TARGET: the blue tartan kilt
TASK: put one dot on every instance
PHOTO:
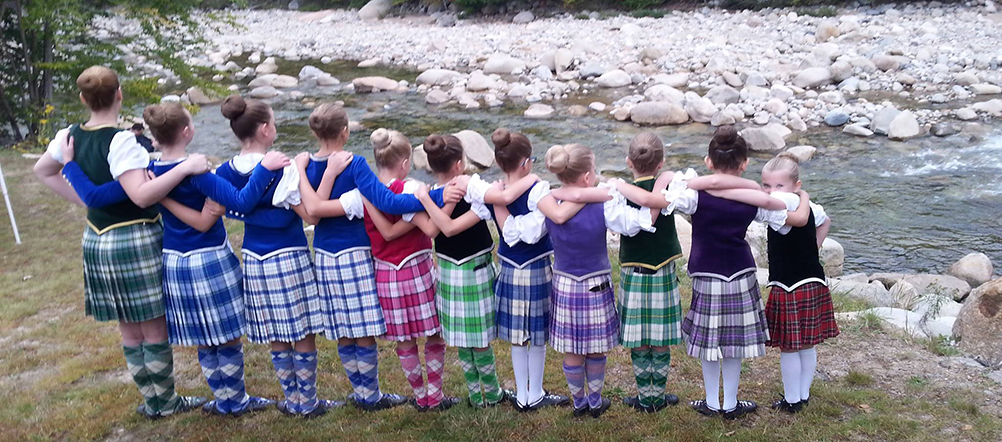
(205, 297)
(523, 302)
(283, 303)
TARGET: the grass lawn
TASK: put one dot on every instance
(62, 375)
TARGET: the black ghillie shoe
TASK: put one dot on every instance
(580, 412)
(285, 407)
(145, 411)
(634, 402)
(254, 405)
(210, 408)
(700, 406)
(447, 403)
(323, 406)
(548, 400)
(783, 405)
(743, 408)
(388, 400)
(602, 408)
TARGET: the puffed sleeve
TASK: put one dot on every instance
(410, 186)
(125, 154)
(820, 216)
(531, 227)
(352, 203)
(55, 148)
(477, 189)
(477, 204)
(776, 219)
(621, 218)
(679, 196)
(287, 188)
(792, 202)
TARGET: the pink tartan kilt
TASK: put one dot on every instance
(802, 318)
(407, 296)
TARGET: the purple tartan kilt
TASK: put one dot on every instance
(726, 319)
(583, 321)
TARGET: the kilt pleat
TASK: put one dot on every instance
(650, 310)
(466, 302)
(802, 318)
(523, 302)
(205, 299)
(123, 273)
(726, 319)
(407, 297)
(348, 299)
(583, 321)
(282, 298)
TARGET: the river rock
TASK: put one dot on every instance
(723, 95)
(764, 139)
(374, 84)
(479, 82)
(812, 77)
(264, 92)
(419, 159)
(523, 17)
(966, 78)
(985, 89)
(939, 284)
(196, 96)
(781, 92)
(840, 71)
(268, 67)
(826, 30)
(284, 82)
(592, 69)
(873, 293)
(658, 113)
(992, 107)
(663, 92)
(262, 80)
(375, 9)
(935, 306)
(562, 60)
(539, 110)
(803, 154)
(965, 114)
(308, 72)
(721, 119)
(975, 268)
(881, 122)
(905, 79)
(885, 62)
(437, 77)
(699, 109)
(904, 295)
(902, 319)
(327, 80)
(832, 256)
(476, 148)
(436, 97)
(597, 106)
(944, 129)
(858, 130)
(503, 64)
(577, 110)
(836, 117)
(446, 20)
(614, 78)
(979, 325)
(674, 80)
(732, 79)
(368, 63)
(542, 72)
(903, 126)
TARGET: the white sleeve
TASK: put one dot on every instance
(55, 148)
(352, 203)
(287, 189)
(772, 218)
(126, 154)
(531, 227)
(621, 218)
(410, 186)
(820, 216)
(792, 202)
(476, 197)
(679, 196)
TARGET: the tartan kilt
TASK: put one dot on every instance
(283, 302)
(726, 319)
(650, 309)
(802, 318)
(348, 300)
(205, 297)
(523, 302)
(582, 321)
(466, 302)
(123, 273)
(407, 296)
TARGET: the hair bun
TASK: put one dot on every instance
(726, 135)
(557, 158)
(380, 138)
(233, 107)
(790, 156)
(501, 137)
(434, 143)
(155, 115)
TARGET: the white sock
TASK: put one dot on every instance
(789, 366)
(808, 363)
(520, 365)
(731, 368)
(711, 380)
(537, 362)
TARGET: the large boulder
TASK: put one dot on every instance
(476, 148)
(974, 268)
(832, 256)
(881, 122)
(479, 82)
(614, 78)
(940, 285)
(420, 159)
(663, 92)
(503, 64)
(803, 154)
(197, 96)
(873, 293)
(905, 295)
(699, 109)
(903, 126)
(284, 81)
(723, 94)
(765, 139)
(437, 77)
(374, 84)
(375, 9)
(262, 80)
(813, 77)
(308, 72)
(979, 325)
(658, 113)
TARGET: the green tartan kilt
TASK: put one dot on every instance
(650, 310)
(466, 305)
(123, 273)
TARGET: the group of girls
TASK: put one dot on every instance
(171, 278)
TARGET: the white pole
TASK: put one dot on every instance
(10, 210)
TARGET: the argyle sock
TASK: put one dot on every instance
(642, 361)
(231, 375)
(808, 364)
(575, 384)
(349, 360)
(137, 368)
(471, 375)
(488, 375)
(367, 361)
(520, 366)
(159, 361)
(434, 359)
(286, 373)
(306, 380)
(660, 364)
(208, 359)
(411, 365)
(595, 372)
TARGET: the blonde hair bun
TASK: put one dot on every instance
(557, 158)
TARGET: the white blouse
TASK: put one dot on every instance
(792, 201)
(124, 154)
(623, 219)
(685, 200)
(287, 189)
(354, 206)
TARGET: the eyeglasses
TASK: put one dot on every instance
(533, 159)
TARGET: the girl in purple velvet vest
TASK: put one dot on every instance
(583, 321)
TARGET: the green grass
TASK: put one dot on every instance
(62, 377)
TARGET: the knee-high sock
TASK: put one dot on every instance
(537, 363)
(711, 382)
(808, 364)
(349, 361)
(520, 365)
(367, 361)
(731, 369)
(306, 380)
(159, 360)
(231, 376)
(285, 371)
(488, 375)
(208, 359)
(471, 375)
(642, 361)
(135, 362)
(434, 360)
(411, 365)
(789, 367)
(576, 384)
(660, 364)
(595, 372)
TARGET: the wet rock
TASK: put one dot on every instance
(621, 114)
(375, 9)
(539, 110)
(437, 77)
(658, 113)
(721, 119)
(979, 324)
(944, 129)
(765, 139)
(479, 82)
(597, 106)
(803, 154)
(812, 77)
(965, 114)
(975, 268)
(614, 78)
(858, 130)
(699, 109)
(374, 84)
(577, 110)
(836, 118)
(327, 80)
(882, 120)
(309, 72)
(284, 81)
(663, 92)
(903, 126)
(436, 97)
(264, 92)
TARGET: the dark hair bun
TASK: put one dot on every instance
(434, 144)
(726, 135)
(233, 107)
(501, 137)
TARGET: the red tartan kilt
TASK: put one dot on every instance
(802, 318)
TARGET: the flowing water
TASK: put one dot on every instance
(915, 206)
